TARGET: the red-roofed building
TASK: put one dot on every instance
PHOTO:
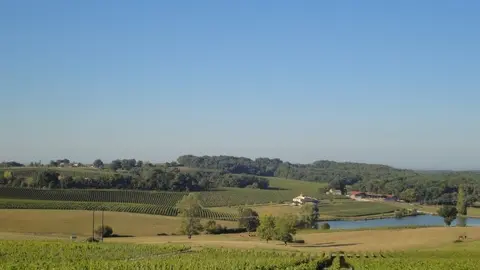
(357, 195)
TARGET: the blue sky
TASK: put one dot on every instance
(392, 82)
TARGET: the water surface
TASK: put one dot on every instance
(420, 220)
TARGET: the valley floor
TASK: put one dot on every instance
(60, 224)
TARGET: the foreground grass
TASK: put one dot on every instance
(66, 255)
(61, 255)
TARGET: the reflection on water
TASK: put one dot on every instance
(421, 220)
(461, 221)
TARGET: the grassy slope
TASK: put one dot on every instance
(339, 209)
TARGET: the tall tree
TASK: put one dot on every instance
(449, 213)
(190, 210)
(461, 201)
(285, 228)
(266, 230)
(98, 163)
(248, 219)
(116, 164)
(309, 215)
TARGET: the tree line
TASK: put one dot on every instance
(144, 178)
(408, 185)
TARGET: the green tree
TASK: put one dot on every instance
(409, 195)
(248, 219)
(309, 215)
(107, 231)
(461, 202)
(210, 226)
(8, 175)
(266, 230)
(449, 213)
(285, 228)
(190, 210)
(98, 163)
(47, 179)
(116, 164)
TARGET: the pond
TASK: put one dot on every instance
(420, 220)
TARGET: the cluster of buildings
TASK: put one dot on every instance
(354, 195)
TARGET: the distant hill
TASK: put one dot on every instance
(319, 171)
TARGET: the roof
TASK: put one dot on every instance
(356, 192)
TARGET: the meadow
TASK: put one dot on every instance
(337, 209)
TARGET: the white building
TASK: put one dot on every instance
(303, 199)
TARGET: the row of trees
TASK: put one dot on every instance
(145, 178)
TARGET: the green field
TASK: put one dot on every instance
(349, 208)
(220, 204)
(61, 255)
(281, 190)
(68, 171)
(30, 254)
(223, 202)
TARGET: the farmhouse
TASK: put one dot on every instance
(303, 199)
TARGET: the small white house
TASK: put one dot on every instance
(303, 199)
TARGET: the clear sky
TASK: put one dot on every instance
(392, 82)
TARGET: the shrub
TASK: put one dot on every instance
(91, 240)
(107, 231)
(219, 229)
(400, 213)
(325, 226)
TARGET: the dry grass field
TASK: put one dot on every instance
(59, 224)
(66, 222)
(368, 240)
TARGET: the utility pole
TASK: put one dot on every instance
(103, 228)
(93, 225)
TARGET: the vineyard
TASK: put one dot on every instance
(114, 207)
(421, 260)
(84, 195)
(223, 197)
(82, 172)
(65, 255)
